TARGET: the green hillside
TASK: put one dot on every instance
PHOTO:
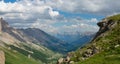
(105, 48)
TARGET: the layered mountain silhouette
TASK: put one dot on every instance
(41, 37)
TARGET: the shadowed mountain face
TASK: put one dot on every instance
(40, 37)
(83, 40)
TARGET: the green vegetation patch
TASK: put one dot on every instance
(115, 17)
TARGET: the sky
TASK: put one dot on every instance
(58, 16)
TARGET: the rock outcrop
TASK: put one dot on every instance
(2, 57)
(104, 25)
(4, 25)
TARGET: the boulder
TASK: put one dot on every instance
(117, 46)
(71, 62)
(60, 61)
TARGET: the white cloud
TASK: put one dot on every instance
(103, 7)
(43, 14)
(94, 20)
(44, 26)
(79, 6)
(53, 13)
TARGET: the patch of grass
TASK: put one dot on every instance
(115, 17)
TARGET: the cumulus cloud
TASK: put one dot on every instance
(45, 27)
(103, 7)
(44, 14)
(28, 8)
(26, 11)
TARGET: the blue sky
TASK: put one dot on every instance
(82, 15)
(57, 16)
(10, 1)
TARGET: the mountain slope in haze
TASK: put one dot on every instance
(103, 49)
(68, 37)
(72, 37)
(82, 41)
(40, 37)
(20, 49)
(76, 40)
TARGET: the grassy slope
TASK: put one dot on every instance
(16, 55)
(17, 58)
(110, 53)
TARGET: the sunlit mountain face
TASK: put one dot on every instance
(50, 26)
